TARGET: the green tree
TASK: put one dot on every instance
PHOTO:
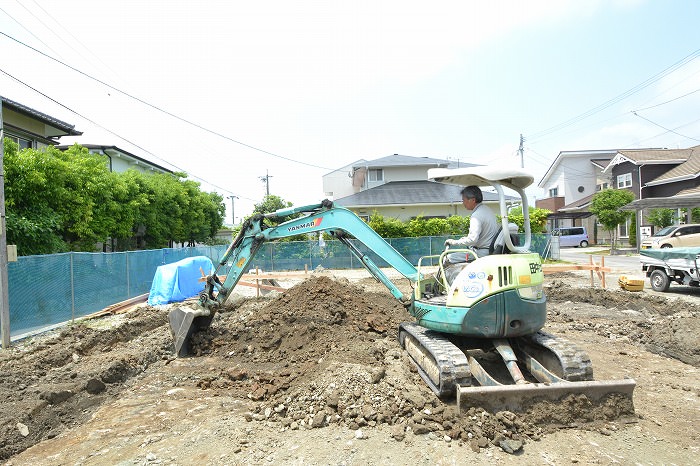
(606, 206)
(388, 227)
(632, 239)
(661, 217)
(69, 200)
(538, 219)
(272, 203)
(65, 192)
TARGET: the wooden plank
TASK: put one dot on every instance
(263, 276)
(262, 286)
(553, 268)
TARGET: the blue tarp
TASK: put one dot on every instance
(179, 280)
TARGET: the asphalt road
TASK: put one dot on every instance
(621, 263)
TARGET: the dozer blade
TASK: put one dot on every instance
(183, 323)
(517, 397)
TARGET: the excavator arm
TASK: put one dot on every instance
(337, 221)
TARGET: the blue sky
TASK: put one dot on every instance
(326, 83)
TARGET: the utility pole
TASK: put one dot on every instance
(233, 215)
(520, 151)
(266, 179)
(4, 298)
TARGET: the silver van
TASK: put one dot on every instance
(571, 236)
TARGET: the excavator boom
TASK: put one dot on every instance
(477, 335)
(338, 221)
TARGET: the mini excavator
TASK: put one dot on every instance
(477, 338)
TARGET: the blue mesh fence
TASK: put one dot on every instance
(51, 289)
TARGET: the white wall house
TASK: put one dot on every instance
(120, 160)
(575, 175)
(397, 186)
(32, 129)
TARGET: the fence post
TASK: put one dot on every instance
(72, 289)
(128, 283)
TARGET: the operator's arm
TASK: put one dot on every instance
(472, 237)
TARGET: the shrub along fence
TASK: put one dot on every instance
(47, 290)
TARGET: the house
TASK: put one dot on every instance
(120, 160)
(654, 176)
(658, 178)
(397, 186)
(569, 185)
(32, 129)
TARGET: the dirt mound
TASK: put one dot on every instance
(558, 291)
(669, 327)
(323, 353)
(58, 383)
(326, 352)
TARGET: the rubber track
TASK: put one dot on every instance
(575, 362)
(452, 362)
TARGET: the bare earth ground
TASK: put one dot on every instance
(316, 376)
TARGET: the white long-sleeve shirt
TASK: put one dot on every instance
(483, 228)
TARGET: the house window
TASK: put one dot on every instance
(624, 229)
(22, 143)
(554, 192)
(376, 174)
(624, 181)
(601, 186)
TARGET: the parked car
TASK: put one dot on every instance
(675, 236)
(571, 236)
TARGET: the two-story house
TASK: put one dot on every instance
(119, 160)
(569, 185)
(656, 177)
(32, 129)
(397, 186)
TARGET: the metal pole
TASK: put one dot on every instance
(128, 284)
(233, 215)
(4, 297)
(72, 288)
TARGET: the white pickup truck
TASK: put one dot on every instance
(662, 266)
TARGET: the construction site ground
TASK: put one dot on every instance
(315, 375)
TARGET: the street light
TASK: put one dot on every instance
(233, 217)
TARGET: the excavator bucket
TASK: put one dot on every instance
(183, 323)
(517, 397)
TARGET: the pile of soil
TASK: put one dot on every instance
(322, 356)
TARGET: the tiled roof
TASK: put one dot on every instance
(602, 162)
(117, 149)
(657, 155)
(62, 125)
(397, 160)
(580, 204)
(686, 170)
(408, 193)
(694, 192)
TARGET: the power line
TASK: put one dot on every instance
(162, 110)
(115, 134)
(663, 127)
(30, 32)
(667, 102)
(619, 98)
(60, 25)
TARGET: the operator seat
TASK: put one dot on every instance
(498, 245)
(453, 265)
